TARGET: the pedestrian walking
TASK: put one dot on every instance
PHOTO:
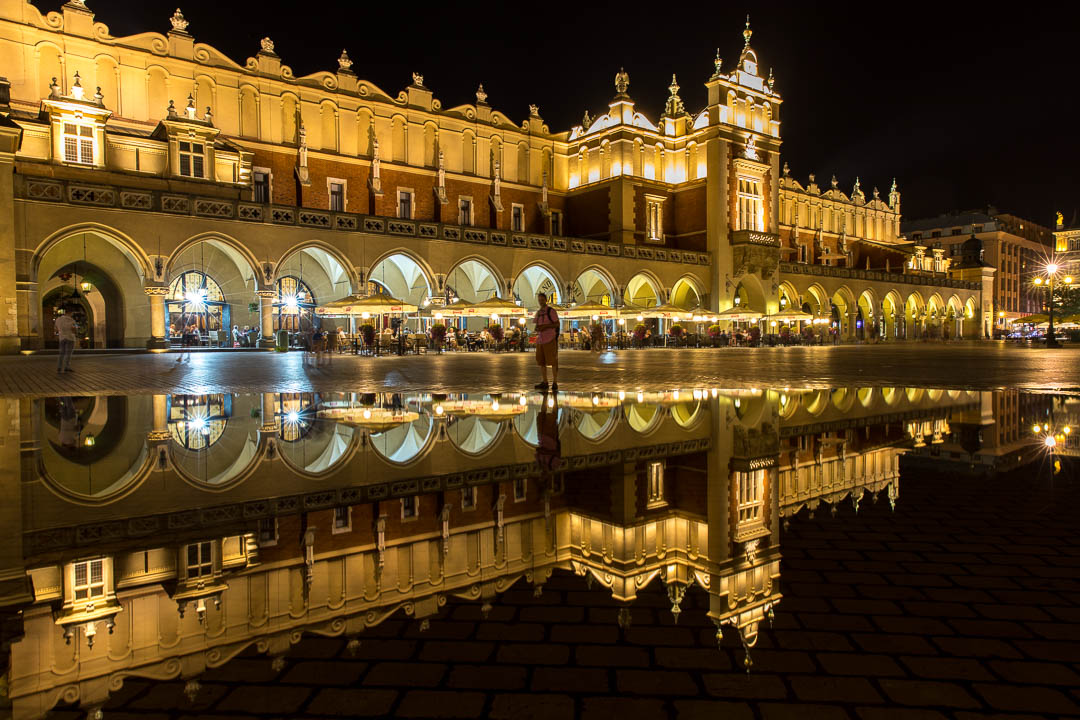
(65, 331)
(186, 341)
(547, 343)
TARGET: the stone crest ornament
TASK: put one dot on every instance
(674, 106)
(481, 96)
(344, 63)
(302, 172)
(718, 64)
(786, 170)
(179, 23)
(534, 111)
(622, 81)
(376, 180)
(496, 187)
(418, 79)
(750, 152)
(834, 181)
(267, 45)
(586, 121)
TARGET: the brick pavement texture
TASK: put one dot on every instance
(1006, 648)
(963, 366)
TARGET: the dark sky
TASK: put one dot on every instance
(965, 106)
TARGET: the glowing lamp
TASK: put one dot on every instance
(521, 321)
(595, 399)
(640, 318)
(551, 401)
(622, 321)
(86, 286)
(367, 414)
(641, 397)
(622, 395)
(89, 440)
(365, 316)
(495, 317)
(439, 410)
(291, 302)
(522, 401)
(495, 405)
(1052, 268)
(1050, 441)
(1038, 281)
(292, 417)
(1068, 280)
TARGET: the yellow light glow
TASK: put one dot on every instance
(1066, 429)
(641, 397)
(522, 401)
(365, 316)
(1052, 268)
(1050, 441)
(1068, 280)
(1038, 281)
(622, 395)
(439, 410)
(495, 405)
(367, 414)
(1036, 428)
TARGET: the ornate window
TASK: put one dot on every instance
(89, 580)
(405, 204)
(654, 477)
(294, 302)
(200, 560)
(195, 299)
(654, 219)
(336, 192)
(751, 500)
(517, 218)
(79, 143)
(197, 421)
(465, 214)
(751, 211)
(192, 159)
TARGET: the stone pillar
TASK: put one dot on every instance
(29, 310)
(266, 315)
(10, 140)
(159, 334)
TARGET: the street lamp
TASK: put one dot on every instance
(1048, 279)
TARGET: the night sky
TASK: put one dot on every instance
(963, 105)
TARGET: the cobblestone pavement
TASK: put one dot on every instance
(963, 604)
(934, 365)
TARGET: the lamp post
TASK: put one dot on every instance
(1050, 277)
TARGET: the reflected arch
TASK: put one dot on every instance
(643, 417)
(474, 435)
(407, 442)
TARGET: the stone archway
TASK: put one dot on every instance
(686, 294)
(844, 313)
(914, 316)
(473, 280)
(595, 285)
(867, 322)
(534, 279)
(892, 316)
(643, 291)
(401, 275)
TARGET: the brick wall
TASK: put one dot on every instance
(588, 213)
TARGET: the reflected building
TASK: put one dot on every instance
(160, 536)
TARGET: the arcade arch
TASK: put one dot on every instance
(473, 280)
(212, 281)
(402, 276)
(686, 294)
(594, 285)
(535, 279)
(642, 291)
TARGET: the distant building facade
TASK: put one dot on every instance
(151, 181)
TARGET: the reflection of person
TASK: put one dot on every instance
(547, 343)
(65, 331)
(69, 422)
(548, 447)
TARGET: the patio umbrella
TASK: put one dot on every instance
(739, 314)
(588, 310)
(373, 419)
(364, 304)
(665, 311)
(458, 308)
(498, 306)
(791, 316)
(1032, 319)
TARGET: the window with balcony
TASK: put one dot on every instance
(260, 186)
(556, 222)
(89, 580)
(200, 560)
(465, 214)
(79, 143)
(342, 520)
(405, 204)
(336, 191)
(654, 219)
(751, 215)
(192, 159)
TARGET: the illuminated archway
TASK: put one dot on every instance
(892, 315)
(406, 442)
(473, 280)
(642, 291)
(594, 285)
(195, 298)
(474, 435)
(914, 316)
(535, 279)
(867, 323)
(686, 294)
(403, 277)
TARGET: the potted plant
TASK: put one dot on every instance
(639, 334)
(755, 336)
(438, 335)
(676, 331)
(785, 334)
(496, 332)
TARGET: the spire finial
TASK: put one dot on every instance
(481, 96)
(622, 81)
(178, 21)
(717, 63)
(747, 32)
(345, 62)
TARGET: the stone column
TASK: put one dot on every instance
(29, 315)
(159, 338)
(266, 315)
(10, 140)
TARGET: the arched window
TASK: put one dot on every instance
(293, 305)
(195, 299)
(197, 421)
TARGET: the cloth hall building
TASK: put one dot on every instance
(150, 177)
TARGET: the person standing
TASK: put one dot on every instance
(65, 331)
(547, 343)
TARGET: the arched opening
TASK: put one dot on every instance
(815, 301)
(685, 295)
(935, 318)
(642, 291)
(844, 316)
(914, 315)
(215, 437)
(533, 280)
(891, 317)
(106, 294)
(867, 324)
(212, 286)
(472, 281)
(294, 304)
(402, 277)
(406, 442)
(594, 286)
(789, 299)
(472, 434)
(970, 323)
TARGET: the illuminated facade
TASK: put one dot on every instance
(135, 160)
(183, 556)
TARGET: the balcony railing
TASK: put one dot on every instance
(755, 237)
(163, 201)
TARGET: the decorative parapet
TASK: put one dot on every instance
(755, 237)
(78, 193)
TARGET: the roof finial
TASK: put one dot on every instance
(746, 33)
(481, 96)
(771, 81)
(345, 62)
(717, 63)
(622, 81)
(674, 106)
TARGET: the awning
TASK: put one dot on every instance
(364, 305)
(588, 310)
(739, 314)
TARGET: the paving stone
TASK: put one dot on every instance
(655, 682)
(834, 689)
(1026, 698)
(485, 677)
(712, 710)
(566, 679)
(511, 632)
(352, 702)
(1037, 673)
(383, 649)
(709, 658)
(534, 654)
(859, 664)
(606, 708)
(597, 634)
(801, 711)
(398, 674)
(927, 693)
(552, 614)
(441, 704)
(464, 651)
(893, 713)
(883, 643)
(976, 647)
(264, 699)
(615, 656)
(533, 706)
(166, 696)
(947, 668)
(324, 673)
(743, 685)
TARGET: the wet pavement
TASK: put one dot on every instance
(851, 552)
(975, 366)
